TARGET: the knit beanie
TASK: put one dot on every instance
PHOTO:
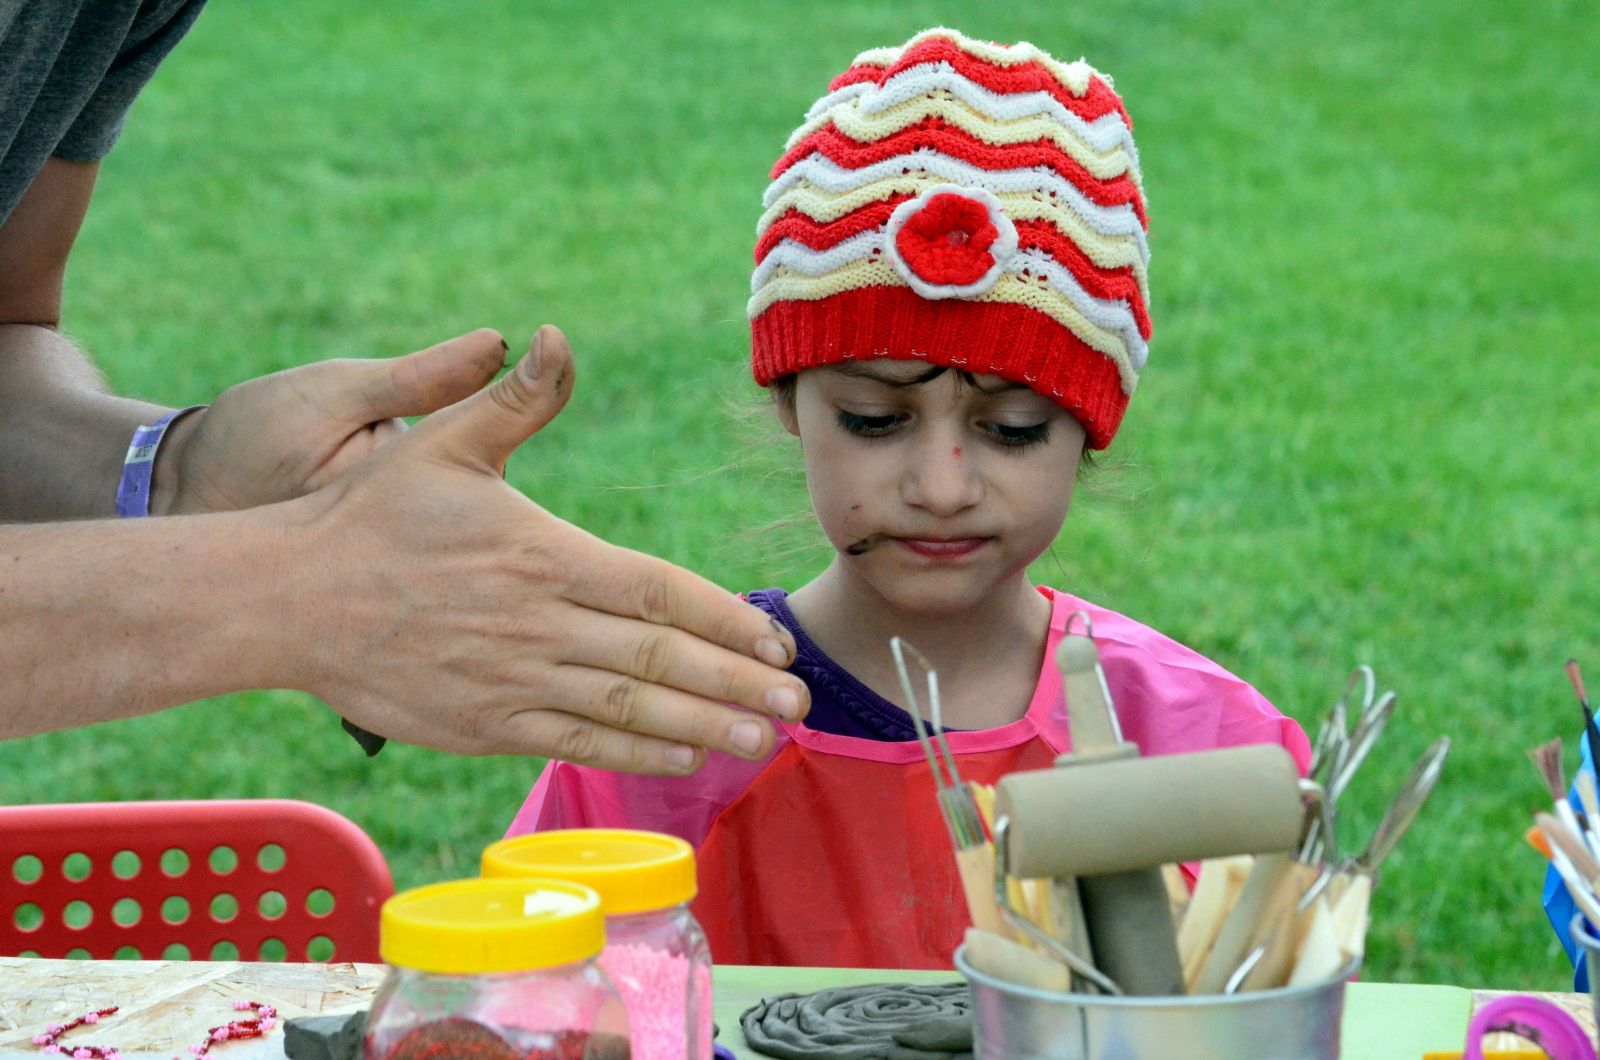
(974, 205)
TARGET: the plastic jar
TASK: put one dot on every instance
(502, 969)
(656, 953)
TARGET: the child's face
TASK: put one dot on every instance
(933, 490)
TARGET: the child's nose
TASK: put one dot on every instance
(942, 479)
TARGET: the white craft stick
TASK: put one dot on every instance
(1579, 888)
(1569, 821)
(1350, 910)
(1591, 810)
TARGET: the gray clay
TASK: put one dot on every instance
(325, 1037)
(864, 1023)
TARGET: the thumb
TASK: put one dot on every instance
(487, 427)
(418, 383)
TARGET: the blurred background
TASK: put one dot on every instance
(1367, 432)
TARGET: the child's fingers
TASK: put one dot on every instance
(621, 702)
(666, 656)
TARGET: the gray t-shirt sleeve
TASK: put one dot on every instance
(153, 34)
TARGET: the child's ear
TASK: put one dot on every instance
(783, 404)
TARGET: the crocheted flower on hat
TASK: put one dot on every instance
(950, 241)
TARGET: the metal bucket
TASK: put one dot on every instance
(1589, 946)
(1015, 1022)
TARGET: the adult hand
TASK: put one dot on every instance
(286, 434)
(454, 612)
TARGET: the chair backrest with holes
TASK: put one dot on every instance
(253, 879)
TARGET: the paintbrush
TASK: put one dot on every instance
(1577, 870)
(1547, 757)
(1547, 760)
(1589, 799)
(1560, 836)
(1590, 729)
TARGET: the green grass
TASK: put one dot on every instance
(1367, 432)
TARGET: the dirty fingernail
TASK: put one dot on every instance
(784, 703)
(772, 652)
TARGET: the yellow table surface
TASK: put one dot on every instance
(165, 1006)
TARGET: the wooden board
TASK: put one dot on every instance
(167, 1006)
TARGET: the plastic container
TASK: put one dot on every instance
(656, 953)
(1020, 1023)
(501, 969)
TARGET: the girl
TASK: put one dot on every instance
(949, 304)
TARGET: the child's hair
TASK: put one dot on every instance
(974, 205)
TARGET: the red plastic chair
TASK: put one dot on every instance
(254, 879)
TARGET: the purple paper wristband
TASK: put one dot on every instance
(133, 492)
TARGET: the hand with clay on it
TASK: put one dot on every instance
(286, 434)
(457, 613)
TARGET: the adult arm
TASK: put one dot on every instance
(64, 435)
(532, 637)
(418, 594)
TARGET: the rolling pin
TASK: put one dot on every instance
(1129, 816)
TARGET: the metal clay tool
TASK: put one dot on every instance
(1408, 802)
(1126, 816)
(1073, 956)
(974, 855)
(1338, 753)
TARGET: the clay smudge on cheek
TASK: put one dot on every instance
(866, 544)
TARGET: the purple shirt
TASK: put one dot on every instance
(840, 704)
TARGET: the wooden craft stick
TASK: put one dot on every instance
(1066, 918)
(976, 866)
(1350, 911)
(1322, 952)
(983, 796)
(1221, 880)
(1233, 939)
(1178, 894)
(1284, 923)
(1002, 958)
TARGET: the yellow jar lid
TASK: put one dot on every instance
(475, 927)
(634, 872)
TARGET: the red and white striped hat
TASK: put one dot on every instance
(975, 205)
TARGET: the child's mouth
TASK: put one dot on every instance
(941, 549)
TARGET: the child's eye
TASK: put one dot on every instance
(1017, 437)
(868, 426)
